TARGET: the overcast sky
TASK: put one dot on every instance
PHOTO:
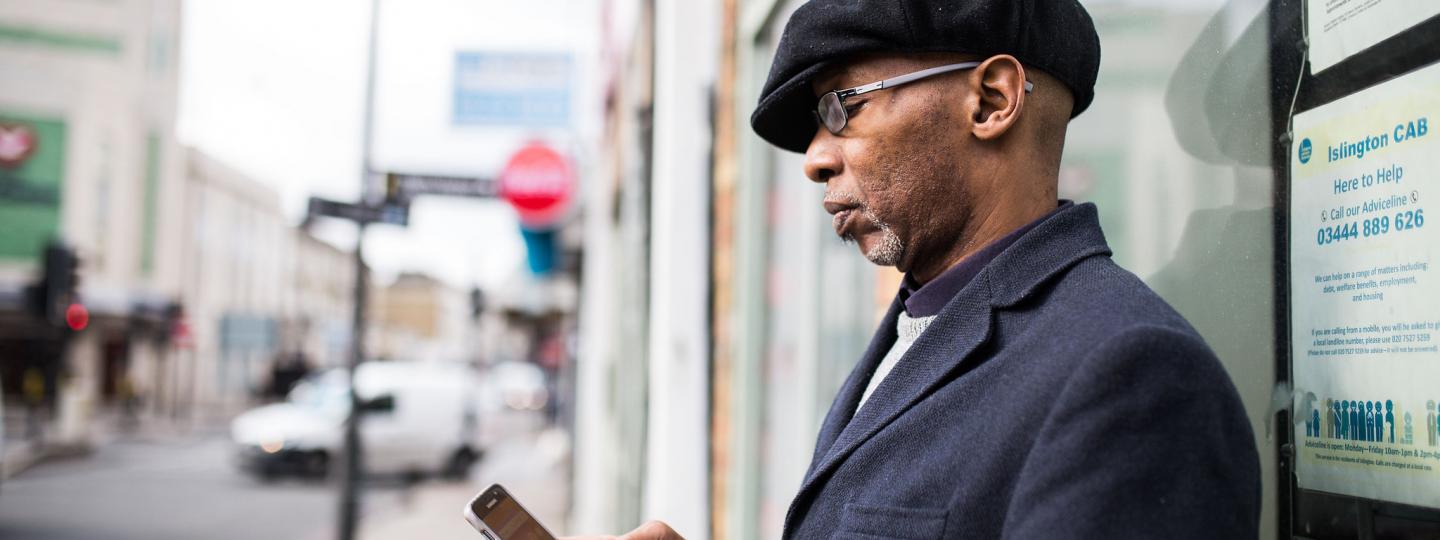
(275, 88)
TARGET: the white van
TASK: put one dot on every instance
(429, 426)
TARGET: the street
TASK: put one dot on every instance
(184, 487)
(168, 489)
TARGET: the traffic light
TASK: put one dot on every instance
(61, 280)
(52, 297)
(477, 302)
(35, 300)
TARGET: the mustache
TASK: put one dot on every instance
(843, 197)
(846, 198)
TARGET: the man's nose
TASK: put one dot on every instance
(823, 160)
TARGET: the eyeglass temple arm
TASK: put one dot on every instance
(908, 77)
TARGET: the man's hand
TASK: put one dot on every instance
(654, 530)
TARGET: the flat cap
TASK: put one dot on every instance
(1055, 36)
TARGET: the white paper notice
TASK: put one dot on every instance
(1365, 294)
(1341, 28)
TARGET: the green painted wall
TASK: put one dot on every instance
(30, 192)
(151, 204)
(86, 43)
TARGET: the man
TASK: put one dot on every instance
(1021, 385)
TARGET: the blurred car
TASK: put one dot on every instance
(420, 418)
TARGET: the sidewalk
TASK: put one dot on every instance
(534, 467)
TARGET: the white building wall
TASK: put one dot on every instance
(238, 264)
(687, 52)
(593, 479)
(599, 446)
(323, 288)
(111, 102)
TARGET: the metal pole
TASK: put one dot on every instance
(351, 474)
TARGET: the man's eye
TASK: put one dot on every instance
(851, 108)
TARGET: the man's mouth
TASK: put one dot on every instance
(841, 221)
(844, 209)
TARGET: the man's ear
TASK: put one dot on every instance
(1001, 84)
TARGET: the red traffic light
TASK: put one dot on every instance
(77, 317)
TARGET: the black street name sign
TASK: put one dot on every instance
(404, 187)
(392, 214)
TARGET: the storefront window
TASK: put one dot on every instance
(1187, 151)
(1175, 152)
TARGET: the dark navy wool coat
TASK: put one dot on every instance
(1056, 396)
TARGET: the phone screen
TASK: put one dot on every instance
(502, 514)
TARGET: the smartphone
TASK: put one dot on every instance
(498, 516)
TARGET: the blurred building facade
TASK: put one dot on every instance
(240, 261)
(612, 365)
(324, 300)
(188, 268)
(715, 293)
(87, 109)
(418, 317)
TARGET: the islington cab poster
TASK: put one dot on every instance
(1365, 292)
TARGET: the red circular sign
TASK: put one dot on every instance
(538, 182)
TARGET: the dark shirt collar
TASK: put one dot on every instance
(928, 299)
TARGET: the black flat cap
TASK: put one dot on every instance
(1055, 36)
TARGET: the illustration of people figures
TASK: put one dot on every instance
(1409, 430)
(1345, 420)
(1342, 425)
(1329, 418)
(1357, 424)
(1379, 423)
(1312, 419)
(1369, 420)
(1390, 418)
(1367, 423)
(1430, 421)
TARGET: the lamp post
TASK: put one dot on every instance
(350, 476)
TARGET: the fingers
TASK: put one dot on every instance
(653, 530)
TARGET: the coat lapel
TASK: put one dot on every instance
(965, 324)
(849, 396)
(1047, 250)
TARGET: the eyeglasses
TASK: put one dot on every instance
(830, 111)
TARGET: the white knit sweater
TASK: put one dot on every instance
(907, 330)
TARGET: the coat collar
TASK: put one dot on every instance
(849, 396)
(1052, 247)
(928, 299)
(1071, 235)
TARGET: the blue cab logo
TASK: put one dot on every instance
(1305, 150)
